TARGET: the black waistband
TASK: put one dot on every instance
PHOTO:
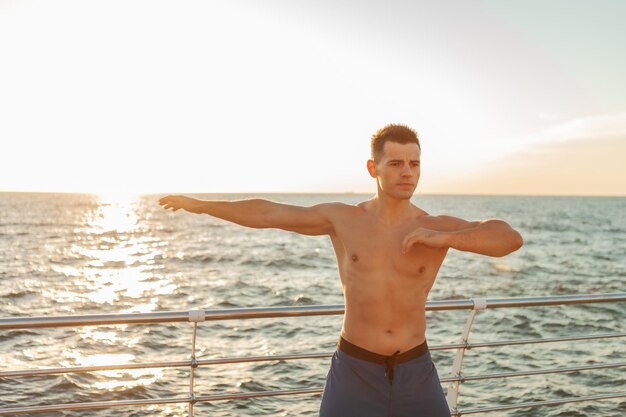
(388, 360)
(358, 352)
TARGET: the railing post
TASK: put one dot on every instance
(194, 316)
(457, 366)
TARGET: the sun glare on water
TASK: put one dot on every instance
(118, 254)
(116, 213)
(115, 379)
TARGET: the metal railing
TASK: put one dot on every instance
(196, 316)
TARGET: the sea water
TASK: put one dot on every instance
(72, 254)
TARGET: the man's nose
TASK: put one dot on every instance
(406, 171)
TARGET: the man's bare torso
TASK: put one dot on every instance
(385, 290)
(388, 250)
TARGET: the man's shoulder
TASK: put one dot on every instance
(338, 207)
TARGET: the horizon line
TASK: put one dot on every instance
(417, 194)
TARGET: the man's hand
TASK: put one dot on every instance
(431, 238)
(177, 202)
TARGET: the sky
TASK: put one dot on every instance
(508, 97)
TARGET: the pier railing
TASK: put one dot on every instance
(456, 379)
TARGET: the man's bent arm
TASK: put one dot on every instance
(258, 213)
(489, 237)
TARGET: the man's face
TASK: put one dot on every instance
(398, 169)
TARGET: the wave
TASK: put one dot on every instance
(302, 300)
(18, 294)
(252, 385)
(280, 263)
(8, 335)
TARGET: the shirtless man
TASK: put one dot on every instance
(388, 254)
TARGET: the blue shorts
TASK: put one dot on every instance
(363, 384)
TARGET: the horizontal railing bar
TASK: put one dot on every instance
(236, 396)
(287, 311)
(528, 301)
(597, 397)
(534, 372)
(94, 368)
(258, 394)
(218, 361)
(93, 320)
(168, 317)
(90, 405)
(125, 403)
(544, 340)
(179, 364)
(526, 341)
(555, 300)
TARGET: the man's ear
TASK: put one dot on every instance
(371, 168)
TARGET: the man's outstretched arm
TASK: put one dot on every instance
(258, 213)
(491, 237)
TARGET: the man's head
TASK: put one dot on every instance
(395, 161)
(392, 133)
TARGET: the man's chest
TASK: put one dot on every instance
(368, 248)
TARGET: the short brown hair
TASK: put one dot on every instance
(392, 133)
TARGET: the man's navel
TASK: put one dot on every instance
(355, 257)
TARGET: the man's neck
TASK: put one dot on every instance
(391, 210)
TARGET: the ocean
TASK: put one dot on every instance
(73, 254)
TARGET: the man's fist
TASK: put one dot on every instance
(432, 238)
